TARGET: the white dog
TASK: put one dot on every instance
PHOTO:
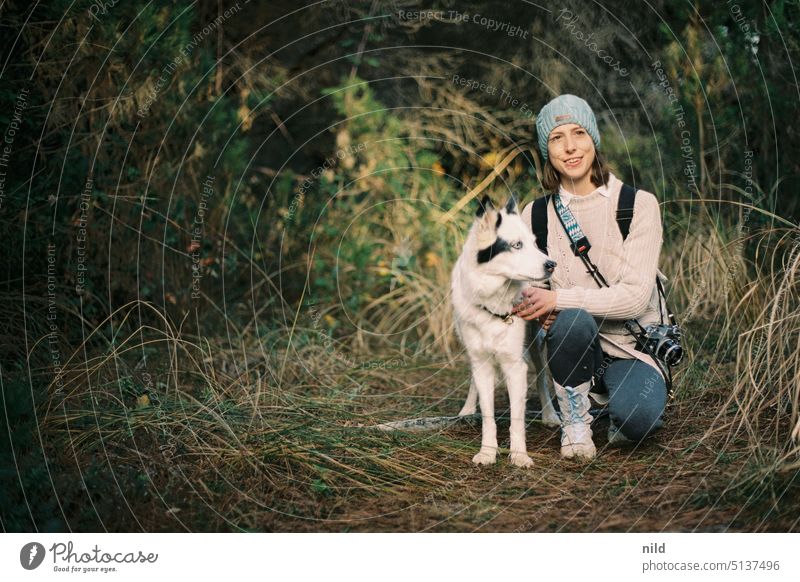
(499, 259)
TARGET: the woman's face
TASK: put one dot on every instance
(571, 151)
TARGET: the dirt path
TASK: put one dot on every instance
(668, 483)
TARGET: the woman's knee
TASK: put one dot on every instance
(636, 425)
(637, 397)
(576, 324)
(572, 348)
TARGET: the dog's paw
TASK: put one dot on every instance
(485, 457)
(520, 459)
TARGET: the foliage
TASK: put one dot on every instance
(194, 205)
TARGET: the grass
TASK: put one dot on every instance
(222, 457)
(157, 429)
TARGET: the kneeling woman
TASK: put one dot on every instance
(586, 336)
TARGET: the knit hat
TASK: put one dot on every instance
(562, 110)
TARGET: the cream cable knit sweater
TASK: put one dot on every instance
(629, 268)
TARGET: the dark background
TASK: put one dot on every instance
(335, 138)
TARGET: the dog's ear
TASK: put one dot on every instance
(488, 220)
(484, 206)
(511, 205)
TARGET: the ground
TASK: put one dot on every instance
(233, 456)
(666, 483)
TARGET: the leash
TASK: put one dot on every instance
(443, 422)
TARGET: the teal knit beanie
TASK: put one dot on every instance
(562, 110)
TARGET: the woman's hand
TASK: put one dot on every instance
(536, 304)
(547, 320)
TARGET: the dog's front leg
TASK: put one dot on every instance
(516, 374)
(483, 377)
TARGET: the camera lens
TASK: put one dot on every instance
(671, 352)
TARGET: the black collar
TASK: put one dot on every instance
(506, 317)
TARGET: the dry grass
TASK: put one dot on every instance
(268, 430)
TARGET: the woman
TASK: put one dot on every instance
(586, 337)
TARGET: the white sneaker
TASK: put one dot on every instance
(576, 442)
(576, 432)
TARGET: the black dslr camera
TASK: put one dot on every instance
(660, 340)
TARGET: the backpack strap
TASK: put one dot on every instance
(627, 197)
(539, 221)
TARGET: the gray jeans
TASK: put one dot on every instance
(637, 392)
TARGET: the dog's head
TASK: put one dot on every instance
(506, 246)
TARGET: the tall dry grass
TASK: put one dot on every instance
(767, 388)
(736, 284)
(272, 413)
(244, 424)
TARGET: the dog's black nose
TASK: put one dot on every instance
(549, 266)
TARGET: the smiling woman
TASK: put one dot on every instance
(577, 165)
(588, 345)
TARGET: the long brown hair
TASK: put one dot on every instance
(551, 178)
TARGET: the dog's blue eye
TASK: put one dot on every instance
(516, 244)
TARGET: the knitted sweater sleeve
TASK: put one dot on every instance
(630, 295)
